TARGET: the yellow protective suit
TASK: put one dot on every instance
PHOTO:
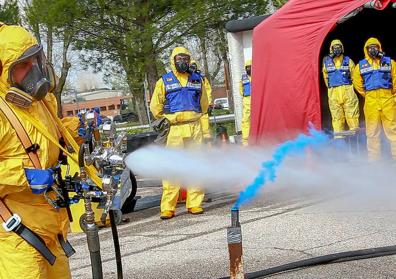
(343, 102)
(185, 131)
(18, 259)
(205, 116)
(379, 107)
(245, 110)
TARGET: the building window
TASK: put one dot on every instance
(118, 106)
(111, 107)
(69, 113)
(76, 111)
(103, 108)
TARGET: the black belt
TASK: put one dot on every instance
(38, 243)
(66, 246)
(12, 223)
(35, 241)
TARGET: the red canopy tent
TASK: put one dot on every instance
(286, 66)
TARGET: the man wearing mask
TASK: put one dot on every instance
(375, 79)
(245, 90)
(33, 233)
(343, 102)
(181, 98)
(205, 116)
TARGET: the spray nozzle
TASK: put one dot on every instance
(235, 217)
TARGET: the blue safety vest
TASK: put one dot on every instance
(338, 77)
(376, 78)
(179, 98)
(246, 85)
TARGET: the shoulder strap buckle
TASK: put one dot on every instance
(11, 223)
(33, 148)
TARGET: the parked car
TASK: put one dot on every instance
(117, 118)
(105, 118)
(222, 102)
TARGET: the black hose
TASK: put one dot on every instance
(116, 244)
(92, 234)
(327, 259)
(81, 156)
(96, 265)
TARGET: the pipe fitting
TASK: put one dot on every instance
(234, 240)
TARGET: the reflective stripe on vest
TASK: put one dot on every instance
(179, 98)
(338, 77)
(246, 85)
(376, 78)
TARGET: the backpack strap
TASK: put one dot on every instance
(31, 149)
(12, 222)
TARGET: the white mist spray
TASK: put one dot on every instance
(325, 171)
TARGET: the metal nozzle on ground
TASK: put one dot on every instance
(234, 239)
(235, 218)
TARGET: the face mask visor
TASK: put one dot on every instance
(337, 50)
(30, 73)
(182, 62)
(373, 50)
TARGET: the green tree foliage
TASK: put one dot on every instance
(135, 34)
(9, 12)
(56, 20)
(212, 35)
(131, 33)
(130, 38)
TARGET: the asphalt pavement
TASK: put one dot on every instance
(281, 226)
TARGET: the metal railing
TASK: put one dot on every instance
(212, 119)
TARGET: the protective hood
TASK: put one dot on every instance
(371, 41)
(176, 51)
(15, 41)
(248, 62)
(335, 42)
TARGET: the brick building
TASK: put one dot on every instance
(109, 102)
(108, 106)
(219, 92)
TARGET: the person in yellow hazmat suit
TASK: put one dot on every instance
(33, 233)
(375, 79)
(205, 116)
(181, 98)
(343, 102)
(245, 90)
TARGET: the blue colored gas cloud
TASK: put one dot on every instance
(268, 169)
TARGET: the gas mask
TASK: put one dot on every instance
(248, 70)
(182, 66)
(182, 63)
(337, 51)
(29, 78)
(193, 68)
(374, 52)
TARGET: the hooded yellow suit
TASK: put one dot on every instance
(245, 110)
(379, 107)
(185, 131)
(343, 102)
(18, 259)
